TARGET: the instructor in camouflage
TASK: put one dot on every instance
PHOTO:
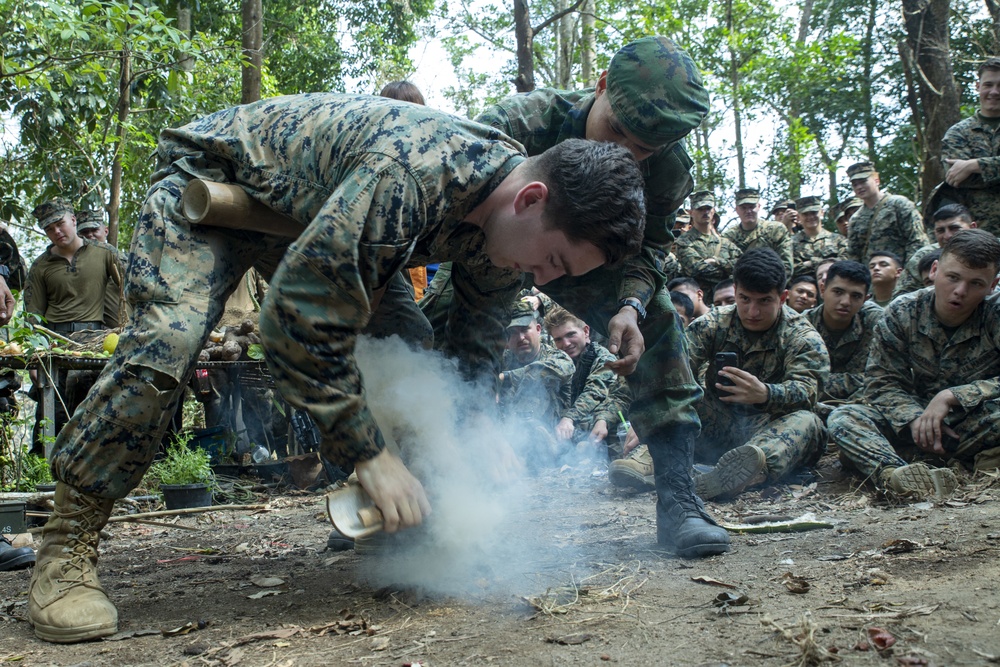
(752, 232)
(373, 183)
(648, 100)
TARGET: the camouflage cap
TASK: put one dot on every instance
(702, 198)
(860, 170)
(853, 202)
(52, 211)
(682, 218)
(809, 204)
(782, 205)
(86, 220)
(747, 196)
(655, 90)
(523, 315)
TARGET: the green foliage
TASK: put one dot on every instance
(182, 464)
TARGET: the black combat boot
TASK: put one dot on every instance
(682, 524)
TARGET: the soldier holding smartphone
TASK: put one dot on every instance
(765, 365)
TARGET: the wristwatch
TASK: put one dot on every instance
(632, 302)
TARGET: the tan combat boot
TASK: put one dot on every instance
(635, 471)
(66, 603)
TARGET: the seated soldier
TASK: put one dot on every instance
(931, 391)
(690, 287)
(802, 293)
(925, 265)
(684, 306)
(534, 385)
(764, 365)
(946, 221)
(821, 270)
(725, 294)
(594, 400)
(846, 321)
(885, 267)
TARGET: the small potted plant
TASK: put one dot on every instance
(184, 475)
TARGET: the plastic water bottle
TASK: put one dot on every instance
(622, 432)
(260, 454)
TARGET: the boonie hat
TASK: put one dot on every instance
(809, 204)
(51, 211)
(522, 316)
(655, 90)
(747, 196)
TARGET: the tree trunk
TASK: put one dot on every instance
(185, 64)
(525, 80)
(734, 81)
(124, 107)
(794, 168)
(926, 23)
(253, 41)
(868, 48)
(588, 56)
(994, 8)
(565, 52)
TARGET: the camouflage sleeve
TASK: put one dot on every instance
(807, 366)
(496, 117)
(477, 314)
(699, 336)
(785, 250)
(595, 392)
(642, 276)
(553, 371)
(619, 400)
(909, 280)
(957, 144)
(912, 225)
(839, 386)
(694, 266)
(889, 384)
(322, 295)
(972, 394)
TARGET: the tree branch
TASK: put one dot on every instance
(555, 17)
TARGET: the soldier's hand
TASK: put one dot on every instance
(961, 170)
(927, 429)
(397, 493)
(746, 389)
(564, 429)
(6, 302)
(503, 463)
(631, 441)
(625, 340)
(600, 431)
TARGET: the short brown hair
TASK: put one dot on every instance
(992, 63)
(596, 195)
(403, 91)
(976, 248)
(560, 317)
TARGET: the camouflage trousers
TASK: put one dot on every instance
(868, 442)
(178, 280)
(789, 441)
(664, 389)
(398, 313)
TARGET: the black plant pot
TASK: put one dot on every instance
(183, 496)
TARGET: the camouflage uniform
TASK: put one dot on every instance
(791, 359)
(538, 390)
(694, 249)
(773, 235)
(595, 391)
(909, 280)
(894, 224)
(664, 389)
(913, 358)
(811, 252)
(977, 139)
(373, 182)
(848, 352)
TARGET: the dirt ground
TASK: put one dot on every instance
(888, 584)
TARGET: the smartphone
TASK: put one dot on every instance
(723, 359)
